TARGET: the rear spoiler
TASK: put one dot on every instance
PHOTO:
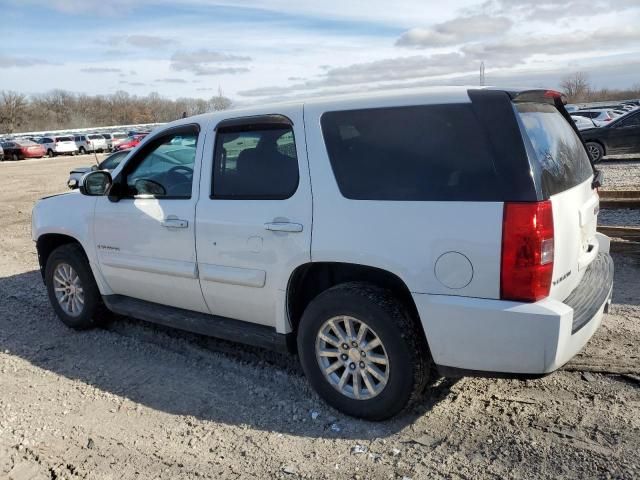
(558, 100)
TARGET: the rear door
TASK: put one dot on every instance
(254, 215)
(563, 174)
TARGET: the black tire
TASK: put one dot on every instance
(595, 150)
(93, 313)
(408, 355)
(15, 157)
(50, 153)
(82, 150)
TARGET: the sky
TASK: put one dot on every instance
(266, 50)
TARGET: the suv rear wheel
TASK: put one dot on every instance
(596, 152)
(362, 352)
(72, 289)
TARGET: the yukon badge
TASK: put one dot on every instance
(563, 277)
(108, 247)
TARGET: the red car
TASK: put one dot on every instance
(131, 142)
(19, 149)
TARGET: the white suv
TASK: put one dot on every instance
(55, 145)
(375, 234)
(91, 143)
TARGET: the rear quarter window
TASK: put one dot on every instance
(558, 158)
(416, 153)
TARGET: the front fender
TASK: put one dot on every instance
(69, 214)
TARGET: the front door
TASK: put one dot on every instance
(254, 216)
(146, 240)
(624, 136)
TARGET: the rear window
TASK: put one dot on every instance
(417, 153)
(65, 139)
(96, 137)
(558, 159)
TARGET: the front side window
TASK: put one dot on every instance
(165, 170)
(255, 163)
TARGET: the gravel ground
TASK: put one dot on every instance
(137, 401)
(621, 172)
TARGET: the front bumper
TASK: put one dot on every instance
(495, 337)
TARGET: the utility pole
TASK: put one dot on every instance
(482, 74)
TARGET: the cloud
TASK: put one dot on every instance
(205, 62)
(552, 10)
(21, 62)
(456, 31)
(100, 70)
(390, 69)
(148, 41)
(171, 80)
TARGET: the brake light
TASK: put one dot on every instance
(552, 94)
(527, 251)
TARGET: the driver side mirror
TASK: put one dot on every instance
(96, 183)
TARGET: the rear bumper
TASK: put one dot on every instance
(495, 337)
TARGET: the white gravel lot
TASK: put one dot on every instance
(137, 401)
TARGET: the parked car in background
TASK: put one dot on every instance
(90, 143)
(55, 145)
(130, 142)
(621, 136)
(108, 140)
(109, 164)
(583, 122)
(1, 153)
(599, 117)
(20, 149)
(117, 138)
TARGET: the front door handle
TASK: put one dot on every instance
(174, 223)
(283, 227)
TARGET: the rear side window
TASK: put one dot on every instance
(557, 156)
(65, 139)
(255, 163)
(418, 153)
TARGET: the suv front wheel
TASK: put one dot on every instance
(362, 352)
(72, 289)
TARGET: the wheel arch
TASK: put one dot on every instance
(308, 280)
(48, 242)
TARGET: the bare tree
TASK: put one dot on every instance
(576, 87)
(13, 110)
(59, 109)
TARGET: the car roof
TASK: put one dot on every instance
(406, 96)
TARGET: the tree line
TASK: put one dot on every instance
(59, 109)
(578, 89)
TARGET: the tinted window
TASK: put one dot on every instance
(111, 162)
(96, 137)
(558, 158)
(255, 164)
(166, 170)
(633, 121)
(436, 152)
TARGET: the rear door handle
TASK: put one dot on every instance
(283, 227)
(174, 223)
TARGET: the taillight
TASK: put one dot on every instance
(527, 251)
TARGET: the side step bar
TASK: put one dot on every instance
(202, 323)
